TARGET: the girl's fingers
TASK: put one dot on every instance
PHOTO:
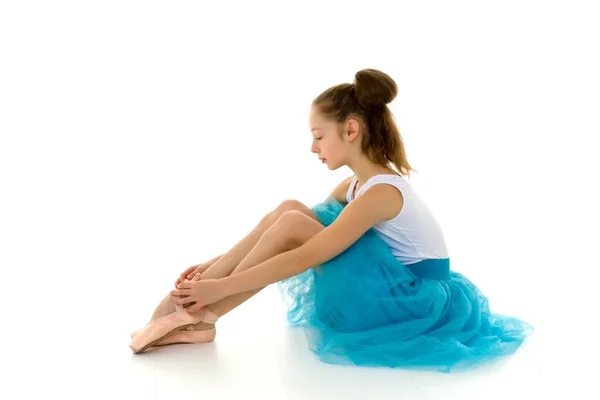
(184, 285)
(182, 301)
(192, 273)
(194, 308)
(181, 292)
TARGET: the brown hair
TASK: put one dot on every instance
(366, 100)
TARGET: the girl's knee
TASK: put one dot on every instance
(286, 229)
(294, 228)
(295, 205)
(291, 219)
(285, 206)
(290, 205)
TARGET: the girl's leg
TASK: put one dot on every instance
(226, 264)
(290, 231)
(229, 261)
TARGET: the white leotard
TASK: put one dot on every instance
(414, 234)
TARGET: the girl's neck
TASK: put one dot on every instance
(364, 174)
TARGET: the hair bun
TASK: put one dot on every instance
(374, 88)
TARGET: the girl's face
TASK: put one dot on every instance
(326, 141)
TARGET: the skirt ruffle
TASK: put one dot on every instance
(366, 308)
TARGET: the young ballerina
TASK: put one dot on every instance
(367, 272)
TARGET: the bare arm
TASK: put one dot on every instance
(379, 203)
(198, 268)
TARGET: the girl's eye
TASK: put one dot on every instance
(318, 138)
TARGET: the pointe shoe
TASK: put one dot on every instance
(178, 307)
(189, 329)
(194, 336)
(185, 336)
(159, 329)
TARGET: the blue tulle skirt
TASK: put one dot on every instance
(365, 307)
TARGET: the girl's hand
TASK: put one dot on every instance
(203, 292)
(189, 273)
(194, 278)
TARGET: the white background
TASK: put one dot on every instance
(139, 138)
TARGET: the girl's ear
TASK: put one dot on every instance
(352, 129)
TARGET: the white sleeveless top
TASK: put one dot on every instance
(414, 234)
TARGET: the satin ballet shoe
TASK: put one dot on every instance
(178, 307)
(160, 328)
(135, 333)
(189, 329)
(194, 336)
(190, 335)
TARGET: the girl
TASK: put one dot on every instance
(367, 271)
